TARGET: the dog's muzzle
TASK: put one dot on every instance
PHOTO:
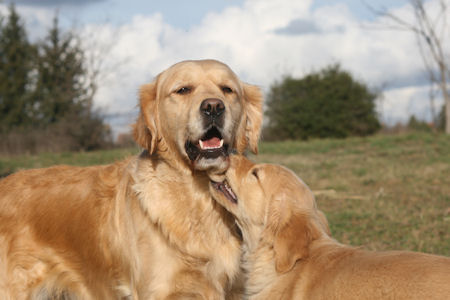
(212, 111)
(211, 145)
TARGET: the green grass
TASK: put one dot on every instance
(382, 192)
(15, 163)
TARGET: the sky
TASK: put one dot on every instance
(261, 40)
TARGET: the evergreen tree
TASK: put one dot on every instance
(63, 97)
(15, 66)
(329, 103)
(60, 86)
(45, 91)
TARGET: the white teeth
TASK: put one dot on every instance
(230, 191)
(203, 147)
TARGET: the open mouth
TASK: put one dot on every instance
(210, 146)
(226, 190)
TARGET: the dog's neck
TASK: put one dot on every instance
(177, 164)
(251, 236)
(258, 262)
(190, 194)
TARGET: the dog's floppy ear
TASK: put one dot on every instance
(145, 129)
(292, 242)
(249, 131)
(293, 232)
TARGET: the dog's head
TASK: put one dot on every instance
(273, 205)
(198, 111)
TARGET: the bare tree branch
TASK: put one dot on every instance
(430, 33)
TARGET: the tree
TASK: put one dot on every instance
(441, 119)
(431, 31)
(418, 125)
(46, 91)
(329, 103)
(63, 94)
(60, 86)
(16, 55)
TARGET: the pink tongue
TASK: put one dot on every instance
(212, 143)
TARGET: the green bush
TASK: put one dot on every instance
(418, 125)
(329, 103)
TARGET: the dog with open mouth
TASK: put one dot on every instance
(201, 112)
(145, 227)
(289, 253)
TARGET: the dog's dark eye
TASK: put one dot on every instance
(226, 89)
(255, 173)
(184, 90)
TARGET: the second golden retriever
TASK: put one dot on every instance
(146, 227)
(289, 254)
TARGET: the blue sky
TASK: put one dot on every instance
(261, 40)
(179, 13)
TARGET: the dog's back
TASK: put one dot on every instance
(50, 223)
(342, 272)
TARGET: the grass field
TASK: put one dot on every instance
(382, 192)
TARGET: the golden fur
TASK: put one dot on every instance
(289, 254)
(143, 228)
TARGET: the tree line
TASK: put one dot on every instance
(46, 93)
(328, 103)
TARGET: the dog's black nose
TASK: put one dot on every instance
(212, 107)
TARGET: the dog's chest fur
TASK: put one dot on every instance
(188, 234)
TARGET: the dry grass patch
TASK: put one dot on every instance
(382, 192)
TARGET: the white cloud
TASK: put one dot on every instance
(248, 39)
(401, 103)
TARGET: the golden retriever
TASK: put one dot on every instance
(289, 254)
(146, 227)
